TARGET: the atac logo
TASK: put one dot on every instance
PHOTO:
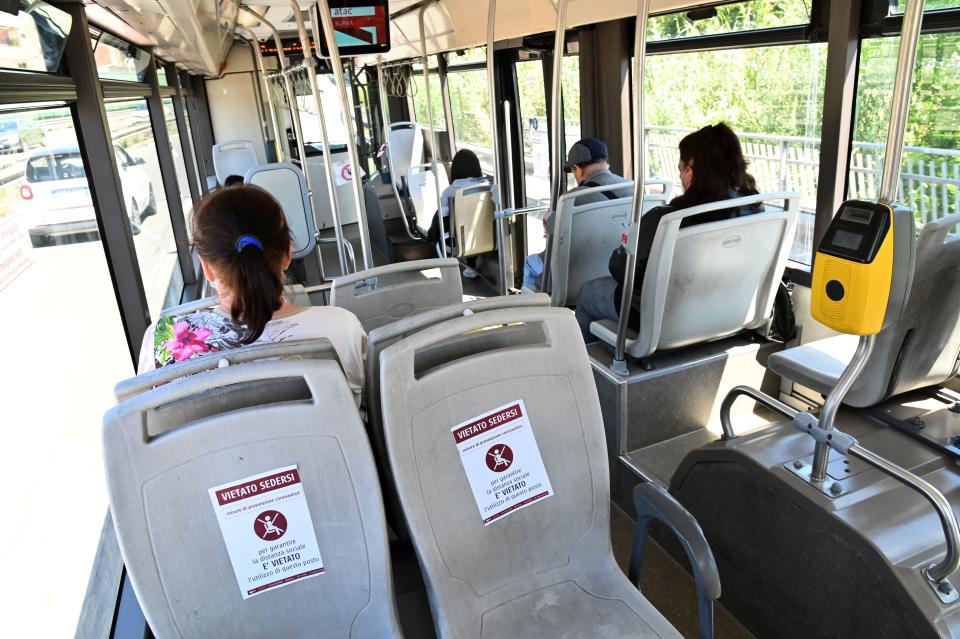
(499, 458)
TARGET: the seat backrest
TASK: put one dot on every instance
(472, 222)
(405, 149)
(257, 513)
(423, 192)
(292, 293)
(285, 182)
(585, 235)
(385, 294)
(708, 281)
(923, 347)
(385, 336)
(318, 348)
(525, 370)
(235, 157)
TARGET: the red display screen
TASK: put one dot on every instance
(361, 26)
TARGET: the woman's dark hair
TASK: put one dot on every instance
(466, 164)
(718, 166)
(243, 234)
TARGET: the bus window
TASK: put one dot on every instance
(118, 60)
(418, 96)
(470, 106)
(146, 202)
(930, 173)
(570, 80)
(176, 149)
(33, 38)
(63, 349)
(771, 96)
(749, 15)
(536, 146)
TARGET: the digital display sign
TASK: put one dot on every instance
(361, 27)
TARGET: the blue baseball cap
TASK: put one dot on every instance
(585, 151)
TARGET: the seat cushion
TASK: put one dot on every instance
(567, 610)
(817, 365)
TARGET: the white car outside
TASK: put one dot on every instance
(56, 195)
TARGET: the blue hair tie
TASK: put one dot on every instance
(248, 240)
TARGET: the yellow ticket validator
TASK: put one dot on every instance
(853, 272)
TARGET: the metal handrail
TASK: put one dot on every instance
(513, 212)
(760, 397)
(619, 364)
(849, 446)
(347, 108)
(434, 146)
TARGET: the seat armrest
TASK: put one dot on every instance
(654, 503)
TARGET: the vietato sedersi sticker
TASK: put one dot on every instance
(502, 461)
(268, 531)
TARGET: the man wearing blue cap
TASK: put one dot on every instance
(587, 161)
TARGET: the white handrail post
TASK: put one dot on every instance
(434, 146)
(639, 171)
(346, 105)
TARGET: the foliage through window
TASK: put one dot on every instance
(773, 99)
(930, 172)
(470, 106)
(418, 95)
(739, 16)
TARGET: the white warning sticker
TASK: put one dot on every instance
(268, 531)
(502, 461)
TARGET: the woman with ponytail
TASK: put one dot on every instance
(712, 168)
(243, 242)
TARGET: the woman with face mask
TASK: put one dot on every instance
(712, 168)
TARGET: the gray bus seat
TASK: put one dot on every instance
(385, 294)
(544, 570)
(406, 149)
(287, 184)
(921, 349)
(294, 294)
(385, 336)
(586, 235)
(472, 225)
(318, 348)
(422, 189)
(235, 424)
(235, 157)
(712, 280)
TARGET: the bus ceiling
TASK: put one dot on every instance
(198, 35)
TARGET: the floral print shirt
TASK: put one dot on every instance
(179, 338)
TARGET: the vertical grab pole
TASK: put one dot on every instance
(506, 271)
(310, 61)
(491, 86)
(288, 88)
(255, 44)
(900, 101)
(557, 175)
(385, 120)
(433, 138)
(346, 106)
(492, 93)
(899, 110)
(639, 173)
